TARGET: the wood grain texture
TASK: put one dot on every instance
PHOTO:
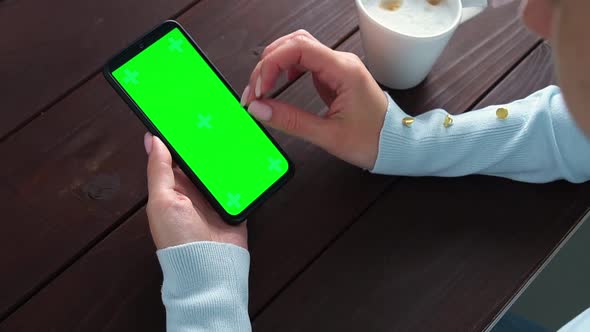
(430, 255)
(104, 290)
(340, 192)
(235, 32)
(436, 254)
(80, 168)
(500, 46)
(535, 73)
(49, 47)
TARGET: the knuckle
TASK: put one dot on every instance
(266, 50)
(355, 58)
(352, 59)
(352, 64)
(291, 122)
(302, 32)
(301, 40)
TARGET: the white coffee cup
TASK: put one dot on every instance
(402, 61)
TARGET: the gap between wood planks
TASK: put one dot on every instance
(388, 188)
(109, 229)
(142, 202)
(75, 87)
(53, 275)
(137, 207)
(503, 77)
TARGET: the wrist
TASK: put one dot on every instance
(203, 264)
(382, 107)
(394, 150)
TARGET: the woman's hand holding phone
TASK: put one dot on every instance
(177, 212)
(357, 105)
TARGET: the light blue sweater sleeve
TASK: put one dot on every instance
(579, 324)
(538, 142)
(205, 287)
(206, 284)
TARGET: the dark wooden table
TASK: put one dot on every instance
(338, 249)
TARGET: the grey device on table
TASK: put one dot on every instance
(557, 292)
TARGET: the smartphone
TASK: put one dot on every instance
(179, 95)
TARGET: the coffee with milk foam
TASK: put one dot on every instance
(419, 18)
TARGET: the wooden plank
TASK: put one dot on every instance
(329, 193)
(436, 254)
(284, 237)
(242, 29)
(48, 47)
(505, 43)
(111, 292)
(80, 167)
(430, 255)
(535, 73)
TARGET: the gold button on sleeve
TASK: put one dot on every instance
(502, 113)
(408, 121)
(448, 121)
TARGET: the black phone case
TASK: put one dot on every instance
(138, 46)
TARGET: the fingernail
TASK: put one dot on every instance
(245, 95)
(260, 110)
(147, 142)
(258, 89)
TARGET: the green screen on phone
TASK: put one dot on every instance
(203, 121)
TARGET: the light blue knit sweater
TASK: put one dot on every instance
(206, 284)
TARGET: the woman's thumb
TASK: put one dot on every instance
(159, 171)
